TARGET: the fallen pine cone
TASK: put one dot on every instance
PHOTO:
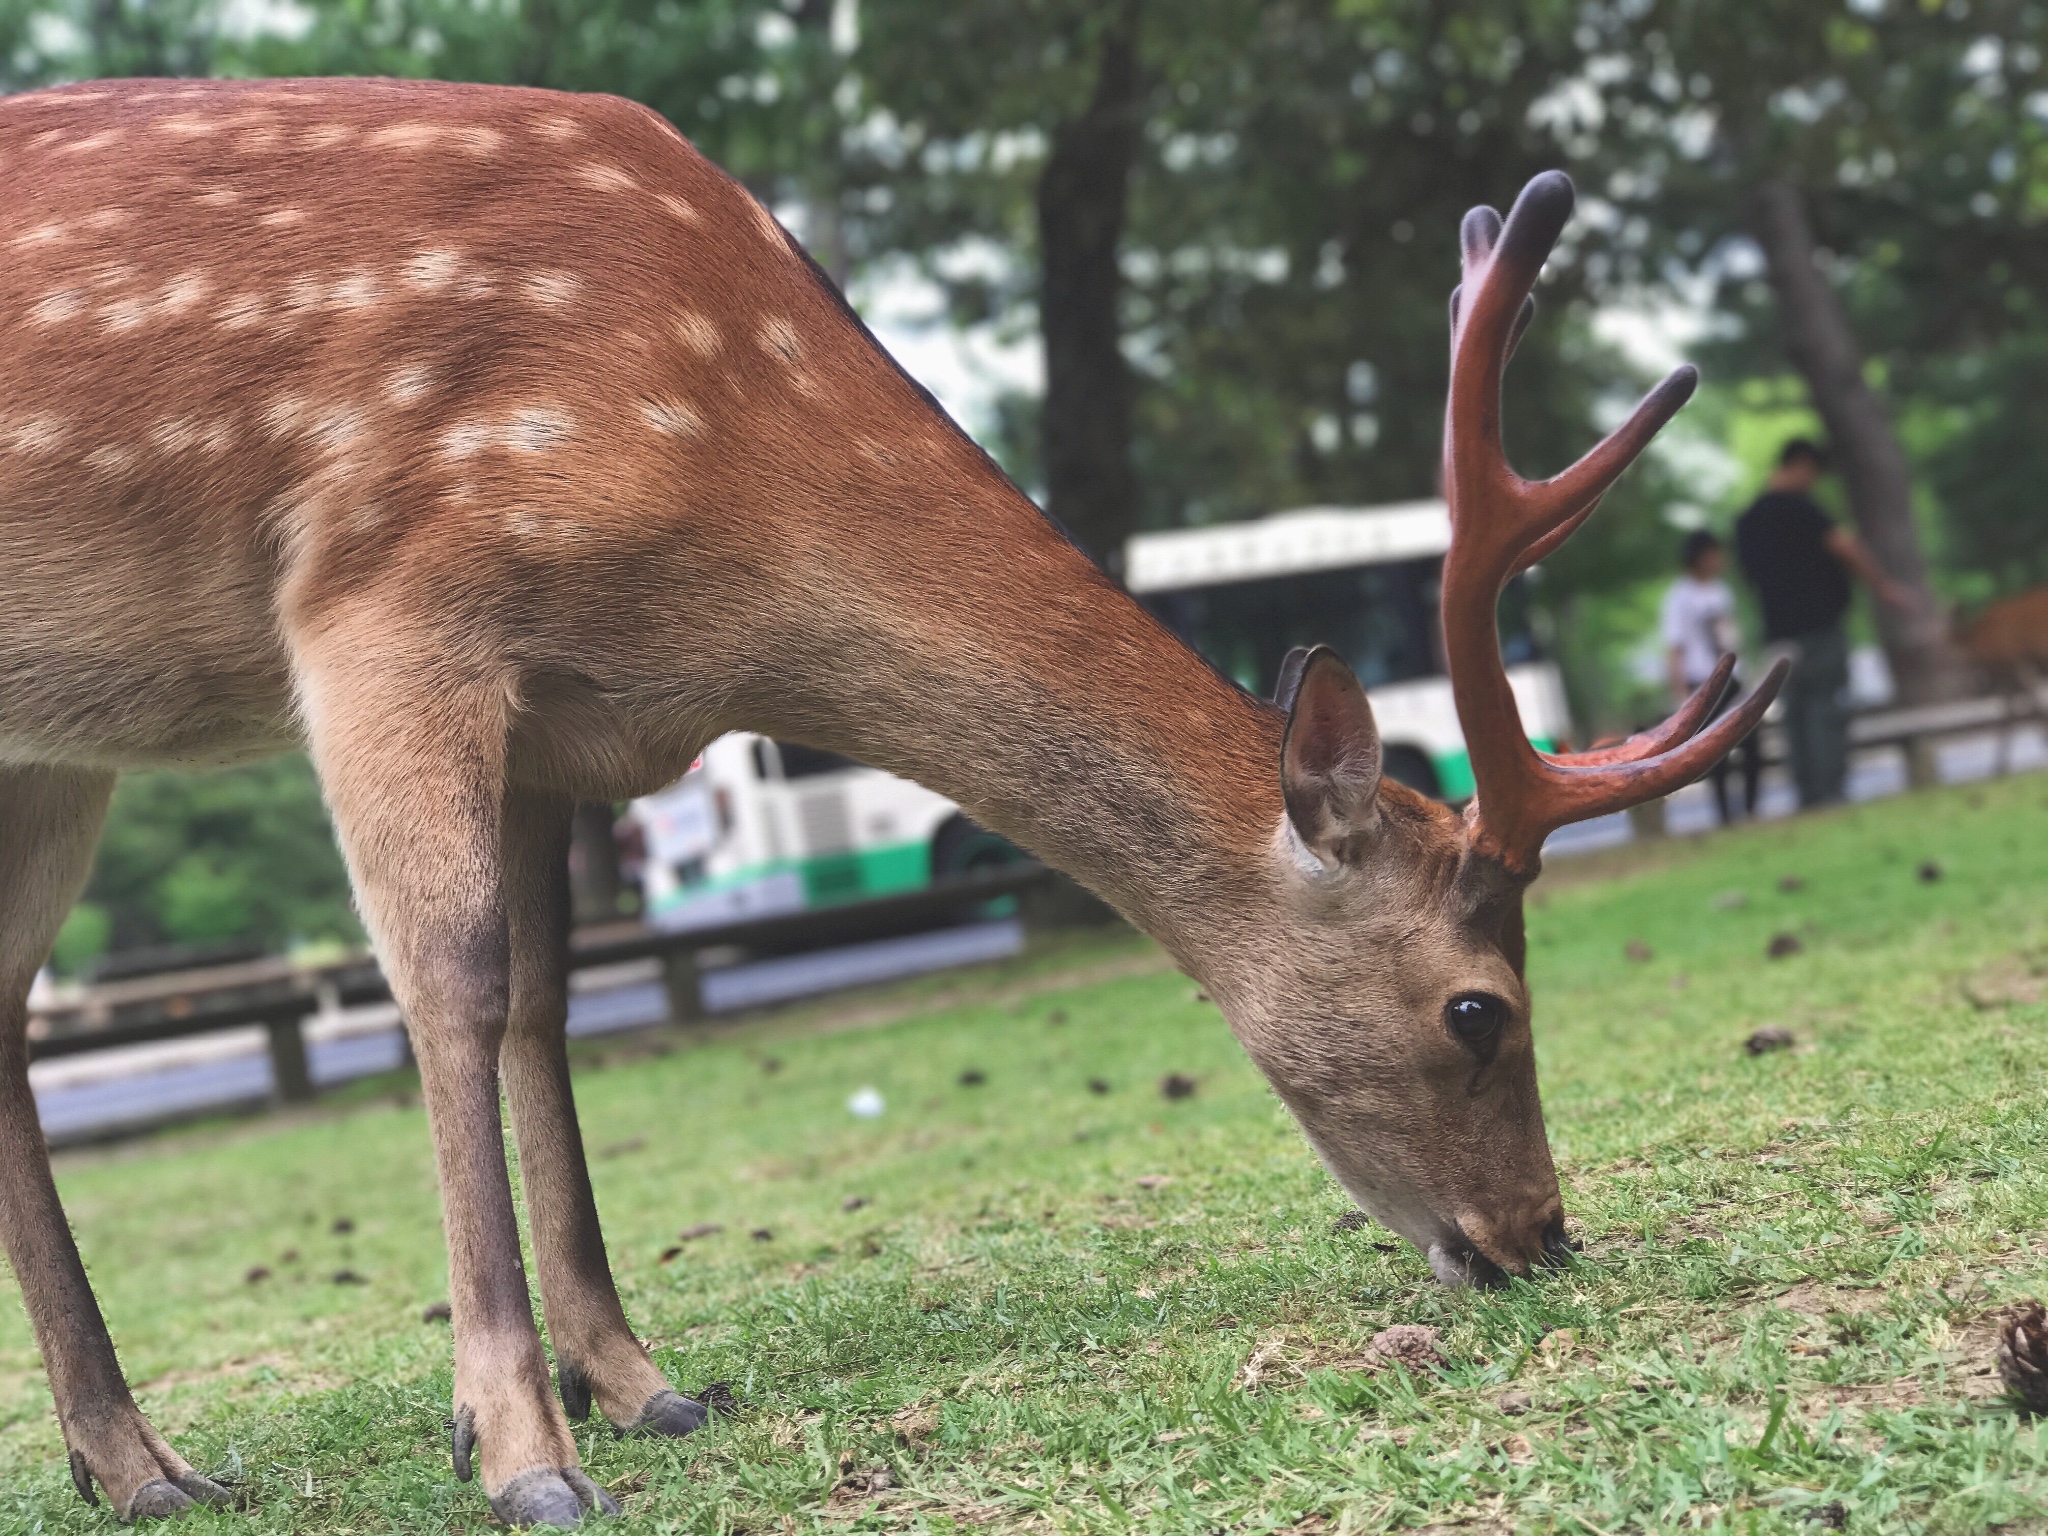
(2023, 1355)
(1407, 1344)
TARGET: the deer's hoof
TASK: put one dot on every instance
(158, 1500)
(204, 1490)
(545, 1496)
(668, 1413)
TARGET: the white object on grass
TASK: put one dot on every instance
(866, 1103)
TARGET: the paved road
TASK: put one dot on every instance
(79, 1097)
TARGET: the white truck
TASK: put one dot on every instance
(1364, 580)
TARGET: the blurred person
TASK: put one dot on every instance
(1698, 626)
(1800, 561)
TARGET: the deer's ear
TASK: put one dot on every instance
(1330, 756)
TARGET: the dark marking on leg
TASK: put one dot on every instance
(462, 1441)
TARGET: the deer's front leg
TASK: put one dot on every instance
(596, 1354)
(413, 768)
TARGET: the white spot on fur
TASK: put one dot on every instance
(112, 274)
(534, 429)
(402, 386)
(406, 136)
(679, 209)
(37, 434)
(778, 336)
(43, 234)
(605, 178)
(175, 435)
(111, 459)
(188, 125)
(337, 427)
(478, 141)
(220, 197)
(107, 218)
(283, 218)
(671, 417)
(284, 415)
(181, 293)
(557, 128)
(304, 293)
(698, 333)
(123, 315)
(770, 227)
(326, 135)
(539, 428)
(467, 440)
(105, 138)
(46, 138)
(432, 270)
(359, 290)
(552, 289)
(57, 307)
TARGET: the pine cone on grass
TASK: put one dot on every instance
(2023, 1355)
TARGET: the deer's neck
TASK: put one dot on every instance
(987, 659)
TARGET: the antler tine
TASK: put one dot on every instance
(1580, 487)
(1511, 827)
(1489, 312)
(1600, 789)
(1501, 523)
(1685, 720)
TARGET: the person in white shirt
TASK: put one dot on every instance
(1698, 625)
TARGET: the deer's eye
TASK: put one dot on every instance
(1476, 1019)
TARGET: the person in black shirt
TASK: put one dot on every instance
(1800, 563)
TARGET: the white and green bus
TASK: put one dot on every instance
(1364, 580)
(759, 827)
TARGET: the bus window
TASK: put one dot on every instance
(1381, 618)
(808, 762)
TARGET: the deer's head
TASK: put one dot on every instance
(1391, 1009)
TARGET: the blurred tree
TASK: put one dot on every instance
(197, 858)
(1288, 212)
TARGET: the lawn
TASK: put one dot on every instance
(1036, 1293)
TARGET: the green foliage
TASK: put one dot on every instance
(1792, 1262)
(199, 858)
(1990, 473)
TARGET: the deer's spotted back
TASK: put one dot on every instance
(269, 341)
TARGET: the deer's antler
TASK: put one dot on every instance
(1501, 524)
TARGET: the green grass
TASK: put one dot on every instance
(1792, 1262)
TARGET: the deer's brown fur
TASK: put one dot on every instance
(502, 450)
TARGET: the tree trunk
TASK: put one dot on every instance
(1815, 330)
(1086, 426)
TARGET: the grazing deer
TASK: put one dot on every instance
(502, 451)
(2009, 643)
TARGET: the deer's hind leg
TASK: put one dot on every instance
(596, 1354)
(411, 754)
(49, 821)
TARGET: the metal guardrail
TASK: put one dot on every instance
(286, 1000)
